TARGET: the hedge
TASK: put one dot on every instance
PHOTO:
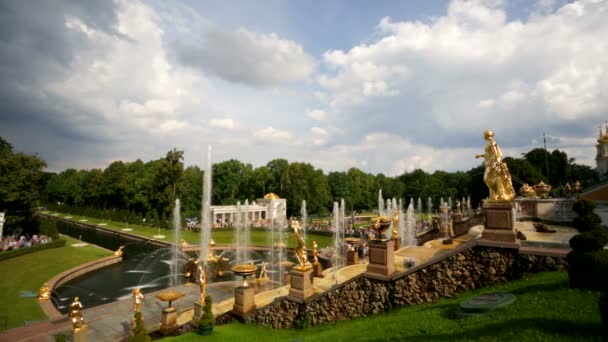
(26, 250)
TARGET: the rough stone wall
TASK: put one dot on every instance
(470, 269)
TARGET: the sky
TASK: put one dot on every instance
(384, 86)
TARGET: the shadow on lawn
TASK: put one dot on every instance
(495, 330)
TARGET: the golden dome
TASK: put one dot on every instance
(271, 196)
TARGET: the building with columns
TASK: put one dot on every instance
(258, 213)
(601, 157)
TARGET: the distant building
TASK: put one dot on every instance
(601, 157)
(263, 209)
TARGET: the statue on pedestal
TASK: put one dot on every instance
(45, 292)
(315, 252)
(138, 297)
(496, 176)
(76, 316)
(300, 250)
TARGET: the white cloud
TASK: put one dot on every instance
(272, 135)
(248, 57)
(129, 80)
(226, 123)
(472, 69)
(318, 114)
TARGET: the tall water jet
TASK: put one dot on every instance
(304, 219)
(246, 231)
(206, 211)
(239, 243)
(419, 207)
(177, 222)
(336, 224)
(429, 206)
(410, 227)
(380, 203)
(450, 203)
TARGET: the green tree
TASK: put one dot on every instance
(279, 169)
(20, 187)
(341, 186)
(168, 172)
(230, 180)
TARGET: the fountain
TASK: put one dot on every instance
(409, 236)
(169, 315)
(304, 219)
(206, 211)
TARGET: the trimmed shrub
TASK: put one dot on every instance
(588, 270)
(140, 334)
(586, 220)
(26, 250)
(589, 241)
(207, 317)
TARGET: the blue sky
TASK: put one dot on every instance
(384, 86)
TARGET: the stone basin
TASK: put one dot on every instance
(169, 296)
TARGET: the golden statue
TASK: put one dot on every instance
(395, 234)
(184, 243)
(458, 209)
(300, 250)
(119, 251)
(497, 176)
(202, 281)
(577, 187)
(138, 297)
(76, 316)
(44, 292)
(315, 252)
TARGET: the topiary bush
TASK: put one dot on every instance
(207, 320)
(589, 241)
(587, 219)
(139, 334)
(586, 270)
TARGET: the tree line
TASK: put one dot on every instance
(131, 191)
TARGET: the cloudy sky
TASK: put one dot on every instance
(385, 86)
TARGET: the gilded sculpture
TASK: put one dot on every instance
(119, 251)
(496, 176)
(76, 315)
(300, 250)
(138, 298)
(395, 233)
(44, 292)
(315, 252)
(202, 281)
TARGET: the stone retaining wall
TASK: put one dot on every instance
(47, 306)
(468, 269)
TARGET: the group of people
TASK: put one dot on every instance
(13, 242)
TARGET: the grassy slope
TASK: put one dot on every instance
(28, 272)
(220, 237)
(545, 310)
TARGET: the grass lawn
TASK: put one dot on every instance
(28, 272)
(220, 237)
(545, 310)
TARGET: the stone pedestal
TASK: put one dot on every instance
(286, 278)
(168, 321)
(244, 301)
(198, 312)
(381, 257)
(301, 283)
(397, 241)
(317, 270)
(80, 335)
(352, 257)
(498, 225)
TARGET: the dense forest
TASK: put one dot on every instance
(136, 189)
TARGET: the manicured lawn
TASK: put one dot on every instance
(545, 310)
(28, 272)
(220, 237)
